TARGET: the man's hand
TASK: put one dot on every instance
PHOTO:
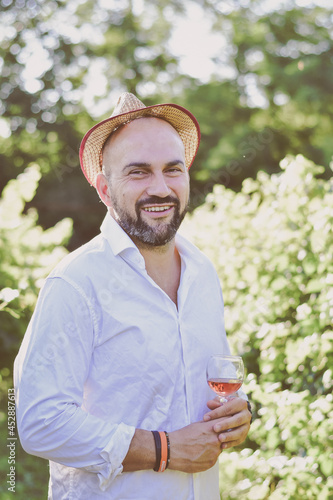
(194, 448)
(232, 421)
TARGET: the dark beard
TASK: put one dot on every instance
(138, 229)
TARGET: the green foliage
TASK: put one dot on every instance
(57, 59)
(27, 254)
(278, 100)
(271, 94)
(49, 54)
(272, 244)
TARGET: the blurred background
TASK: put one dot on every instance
(258, 76)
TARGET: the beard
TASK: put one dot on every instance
(155, 235)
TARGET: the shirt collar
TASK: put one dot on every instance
(120, 242)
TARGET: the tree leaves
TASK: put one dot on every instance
(276, 272)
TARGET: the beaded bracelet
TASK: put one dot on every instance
(168, 443)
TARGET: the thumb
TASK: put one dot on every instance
(214, 403)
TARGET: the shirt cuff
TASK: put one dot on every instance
(113, 455)
(241, 394)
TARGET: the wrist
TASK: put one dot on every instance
(141, 454)
(162, 448)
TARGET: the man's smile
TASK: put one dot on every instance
(158, 209)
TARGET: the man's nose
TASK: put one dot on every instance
(158, 186)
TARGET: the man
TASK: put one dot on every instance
(110, 378)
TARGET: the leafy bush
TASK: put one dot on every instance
(272, 244)
(27, 254)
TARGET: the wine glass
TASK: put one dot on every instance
(225, 375)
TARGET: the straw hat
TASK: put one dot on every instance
(129, 108)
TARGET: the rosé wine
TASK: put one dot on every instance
(224, 386)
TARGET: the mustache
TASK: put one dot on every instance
(152, 200)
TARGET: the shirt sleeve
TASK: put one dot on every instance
(50, 372)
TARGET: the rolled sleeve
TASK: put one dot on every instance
(49, 376)
(113, 456)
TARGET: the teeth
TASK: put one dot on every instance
(156, 209)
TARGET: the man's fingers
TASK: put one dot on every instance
(233, 437)
(219, 410)
(230, 444)
(215, 413)
(214, 403)
(232, 422)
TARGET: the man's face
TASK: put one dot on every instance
(148, 181)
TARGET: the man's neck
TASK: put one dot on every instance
(163, 265)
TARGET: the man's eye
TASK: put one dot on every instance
(138, 172)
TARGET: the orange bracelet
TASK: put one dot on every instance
(164, 452)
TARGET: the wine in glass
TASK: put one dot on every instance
(225, 375)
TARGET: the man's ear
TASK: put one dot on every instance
(102, 188)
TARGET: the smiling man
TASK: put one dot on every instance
(145, 183)
(110, 378)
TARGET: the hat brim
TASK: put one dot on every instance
(180, 118)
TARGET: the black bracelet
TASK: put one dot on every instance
(168, 441)
(157, 439)
(250, 410)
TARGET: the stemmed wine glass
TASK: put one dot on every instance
(225, 375)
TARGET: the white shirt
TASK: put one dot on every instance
(107, 351)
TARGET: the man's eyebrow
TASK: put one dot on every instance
(175, 162)
(136, 164)
(142, 164)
